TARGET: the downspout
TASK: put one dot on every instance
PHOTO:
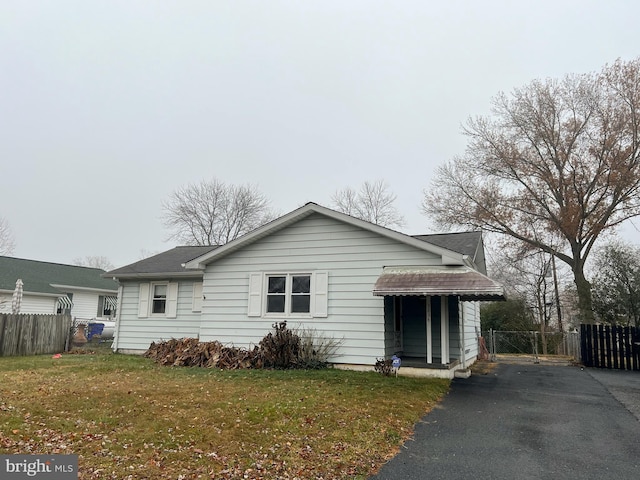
(116, 331)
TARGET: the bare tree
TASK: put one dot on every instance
(144, 253)
(558, 156)
(94, 261)
(373, 203)
(214, 213)
(7, 240)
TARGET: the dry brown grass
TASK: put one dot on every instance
(128, 418)
(483, 367)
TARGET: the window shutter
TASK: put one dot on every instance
(172, 300)
(255, 295)
(197, 297)
(143, 300)
(320, 294)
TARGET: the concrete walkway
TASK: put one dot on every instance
(528, 422)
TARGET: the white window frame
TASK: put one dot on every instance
(145, 300)
(152, 297)
(258, 293)
(288, 294)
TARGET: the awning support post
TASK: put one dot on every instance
(444, 329)
(429, 332)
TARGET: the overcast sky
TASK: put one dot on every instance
(109, 106)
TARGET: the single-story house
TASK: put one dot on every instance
(377, 291)
(50, 288)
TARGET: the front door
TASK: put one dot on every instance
(414, 331)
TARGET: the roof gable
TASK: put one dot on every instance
(449, 257)
(169, 263)
(38, 277)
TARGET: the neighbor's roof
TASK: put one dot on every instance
(169, 263)
(38, 277)
(460, 281)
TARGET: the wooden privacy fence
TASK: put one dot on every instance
(605, 346)
(25, 334)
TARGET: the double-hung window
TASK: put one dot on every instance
(289, 294)
(159, 299)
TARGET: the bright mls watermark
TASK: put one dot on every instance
(50, 467)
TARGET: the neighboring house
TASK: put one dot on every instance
(378, 291)
(50, 288)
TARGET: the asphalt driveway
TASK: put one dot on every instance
(528, 422)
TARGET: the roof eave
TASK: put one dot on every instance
(159, 275)
(39, 294)
(84, 289)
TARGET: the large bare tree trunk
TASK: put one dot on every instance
(583, 287)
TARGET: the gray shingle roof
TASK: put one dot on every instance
(466, 243)
(165, 263)
(39, 276)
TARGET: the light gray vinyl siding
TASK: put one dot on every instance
(455, 337)
(136, 333)
(471, 311)
(353, 258)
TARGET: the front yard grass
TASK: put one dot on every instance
(128, 418)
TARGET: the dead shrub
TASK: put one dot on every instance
(281, 348)
(384, 367)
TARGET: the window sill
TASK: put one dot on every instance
(285, 316)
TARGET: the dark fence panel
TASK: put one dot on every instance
(612, 347)
(26, 334)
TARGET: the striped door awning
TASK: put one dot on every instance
(64, 303)
(111, 303)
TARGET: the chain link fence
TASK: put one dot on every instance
(532, 343)
(93, 331)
